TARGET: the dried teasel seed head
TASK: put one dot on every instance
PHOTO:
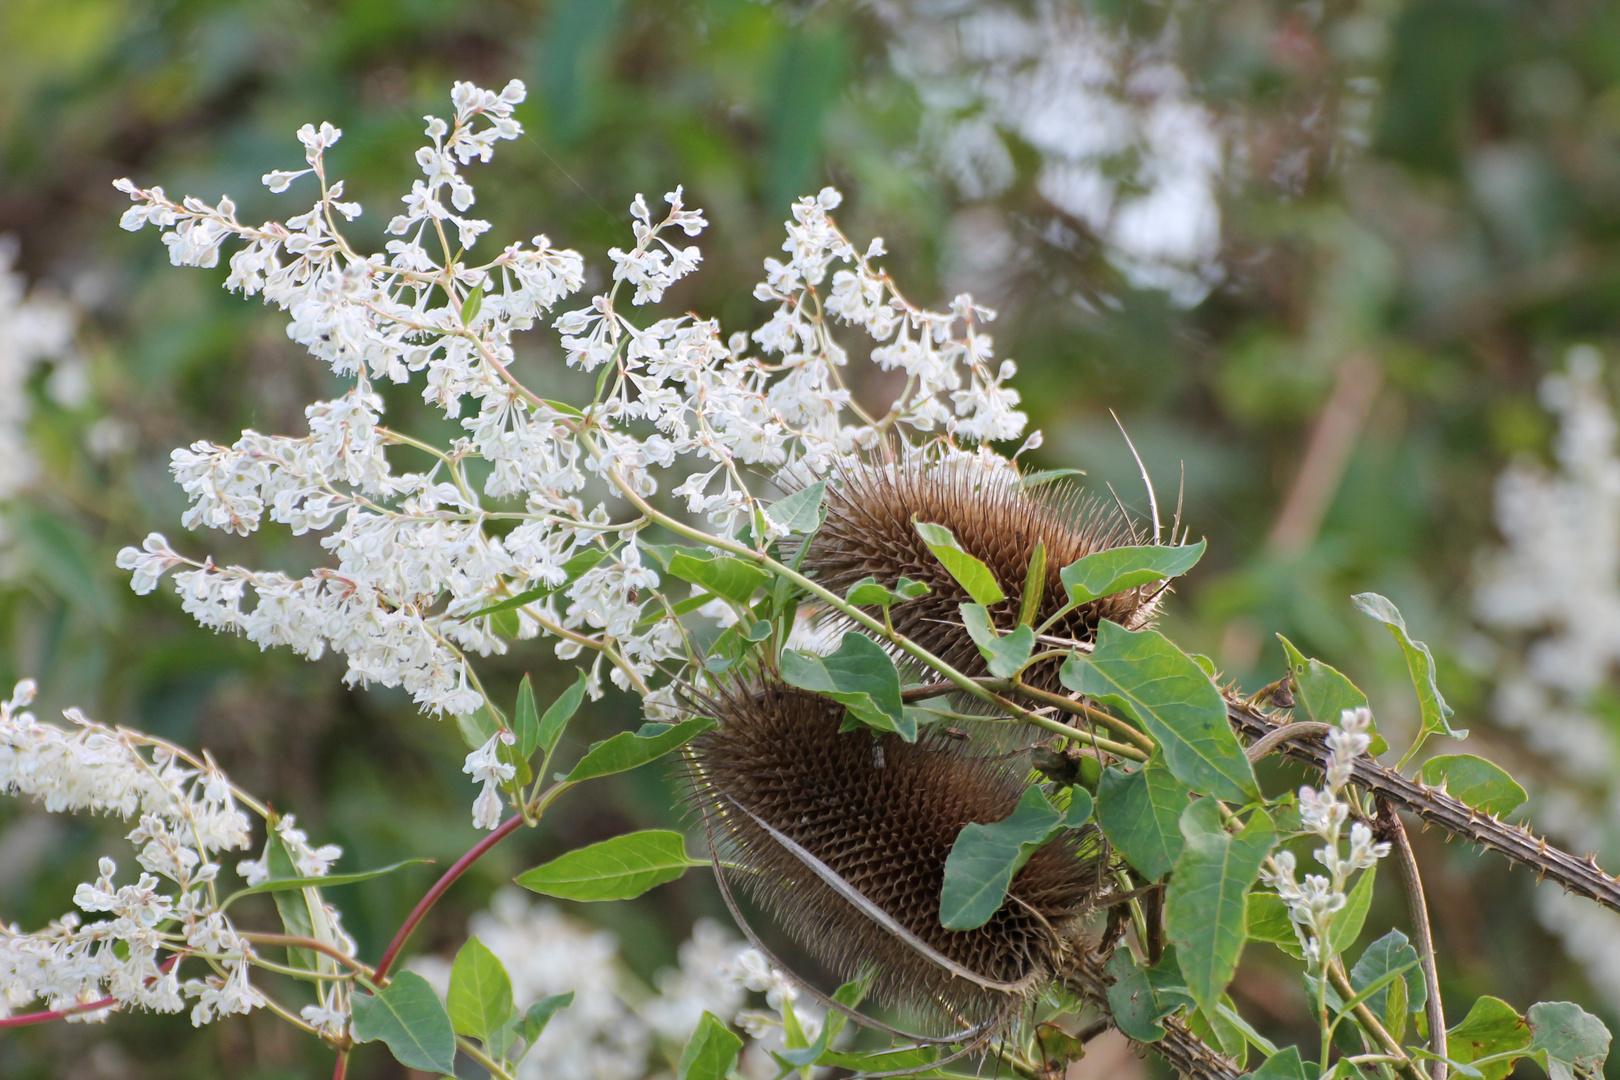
(882, 814)
(869, 531)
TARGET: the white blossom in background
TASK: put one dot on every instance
(1313, 903)
(680, 408)
(616, 1028)
(1555, 587)
(35, 327)
(1125, 148)
(187, 816)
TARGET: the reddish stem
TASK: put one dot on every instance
(91, 1006)
(423, 906)
(342, 1066)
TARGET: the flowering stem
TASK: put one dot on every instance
(292, 941)
(90, 1006)
(1410, 878)
(431, 897)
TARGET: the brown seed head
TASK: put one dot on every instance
(869, 530)
(882, 814)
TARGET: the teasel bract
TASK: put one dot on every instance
(872, 511)
(782, 789)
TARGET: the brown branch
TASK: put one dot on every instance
(1328, 454)
(1515, 842)
(1406, 859)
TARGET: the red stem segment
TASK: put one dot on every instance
(423, 906)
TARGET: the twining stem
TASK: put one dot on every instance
(1421, 932)
(1370, 1022)
(293, 942)
(431, 897)
(1078, 708)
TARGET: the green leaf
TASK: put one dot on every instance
(293, 907)
(1140, 997)
(1348, 922)
(627, 750)
(1140, 813)
(721, 575)
(539, 1015)
(1080, 808)
(849, 995)
(1477, 782)
(1491, 1027)
(617, 869)
(477, 728)
(526, 720)
(480, 997)
(710, 1052)
(1285, 1064)
(1392, 952)
(573, 570)
(1118, 569)
(1571, 1041)
(560, 712)
(407, 1016)
(470, 306)
(860, 676)
(1145, 676)
(1325, 693)
(1204, 907)
(985, 857)
(1420, 663)
(799, 512)
(868, 592)
(1005, 656)
(288, 883)
(1267, 920)
(969, 572)
(1034, 587)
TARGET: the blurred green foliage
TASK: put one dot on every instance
(1420, 213)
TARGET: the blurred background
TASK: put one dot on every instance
(1351, 269)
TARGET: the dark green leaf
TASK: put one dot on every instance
(1140, 997)
(1144, 675)
(561, 711)
(1324, 693)
(1348, 922)
(617, 869)
(480, 996)
(1005, 656)
(526, 720)
(710, 1052)
(1267, 920)
(1285, 1064)
(1491, 1027)
(539, 1015)
(985, 857)
(1475, 781)
(968, 571)
(1080, 808)
(407, 1016)
(1118, 569)
(1204, 906)
(1571, 1040)
(1034, 587)
(1390, 1004)
(626, 750)
(293, 907)
(1140, 813)
(289, 883)
(800, 512)
(721, 575)
(860, 676)
(1420, 664)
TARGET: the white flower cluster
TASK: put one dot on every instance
(417, 563)
(614, 1023)
(1555, 586)
(750, 970)
(1313, 903)
(187, 815)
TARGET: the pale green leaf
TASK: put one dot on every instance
(480, 996)
(868, 592)
(573, 569)
(539, 1015)
(1491, 1027)
(526, 719)
(1204, 907)
(1420, 663)
(408, 1017)
(858, 675)
(1267, 920)
(1392, 952)
(1046, 476)
(617, 869)
(1117, 569)
(1144, 675)
(1477, 782)
(627, 750)
(1004, 655)
(1571, 1040)
(721, 575)
(710, 1052)
(799, 512)
(1348, 922)
(1285, 1064)
(560, 712)
(968, 571)
(289, 883)
(1324, 693)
